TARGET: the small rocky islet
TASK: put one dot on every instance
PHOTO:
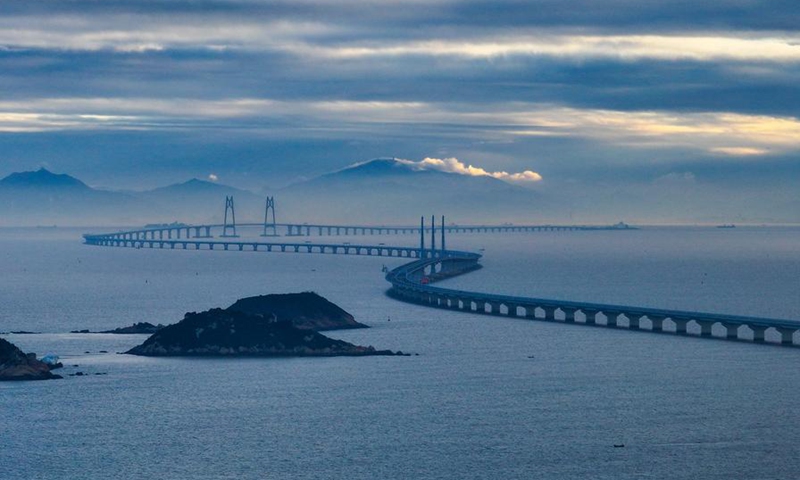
(136, 328)
(306, 310)
(18, 365)
(269, 326)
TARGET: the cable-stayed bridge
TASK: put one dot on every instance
(414, 281)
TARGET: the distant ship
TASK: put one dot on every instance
(727, 225)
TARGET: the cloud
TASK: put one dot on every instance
(661, 47)
(739, 151)
(213, 177)
(495, 122)
(454, 165)
(355, 38)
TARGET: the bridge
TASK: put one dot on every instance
(185, 231)
(414, 281)
(111, 240)
(270, 228)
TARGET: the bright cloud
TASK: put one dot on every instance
(454, 165)
(739, 151)
(720, 133)
(661, 47)
(314, 39)
(213, 177)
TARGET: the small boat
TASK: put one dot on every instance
(727, 225)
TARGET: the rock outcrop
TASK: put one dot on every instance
(229, 332)
(305, 310)
(17, 365)
(141, 327)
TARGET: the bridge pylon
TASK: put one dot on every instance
(443, 246)
(422, 237)
(433, 234)
(229, 226)
(270, 227)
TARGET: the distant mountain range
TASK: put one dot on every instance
(391, 191)
(384, 191)
(46, 198)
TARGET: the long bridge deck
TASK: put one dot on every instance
(413, 282)
(184, 231)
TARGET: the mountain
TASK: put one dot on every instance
(198, 201)
(380, 191)
(45, 198)
(42, 179)
(389, 191)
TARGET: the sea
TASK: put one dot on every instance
(482, 398)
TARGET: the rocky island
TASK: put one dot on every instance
(18, 365)
(136, 328)
(305, 310)
(230, 332)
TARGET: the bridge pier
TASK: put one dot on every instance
(633, 320)
(657, 322)
(591, 316)
(705, 327)
(611, 318)
(569, 314)
(787, 335)
(731, 330)
(680, 325)
(549, 313)
(758, 333)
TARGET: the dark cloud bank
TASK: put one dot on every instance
(687, 109)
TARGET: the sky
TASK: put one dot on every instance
(683, 105)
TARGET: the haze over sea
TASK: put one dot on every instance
(487, 397)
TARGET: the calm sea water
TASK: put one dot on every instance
(471, 405)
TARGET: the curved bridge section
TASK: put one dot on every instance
(414, 283)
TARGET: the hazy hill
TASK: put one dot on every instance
(46, 198)
(388, 191)
(198, 201)
(42, 178)
(382, 191)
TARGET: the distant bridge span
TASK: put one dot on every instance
(413, 282)
(184, 231)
